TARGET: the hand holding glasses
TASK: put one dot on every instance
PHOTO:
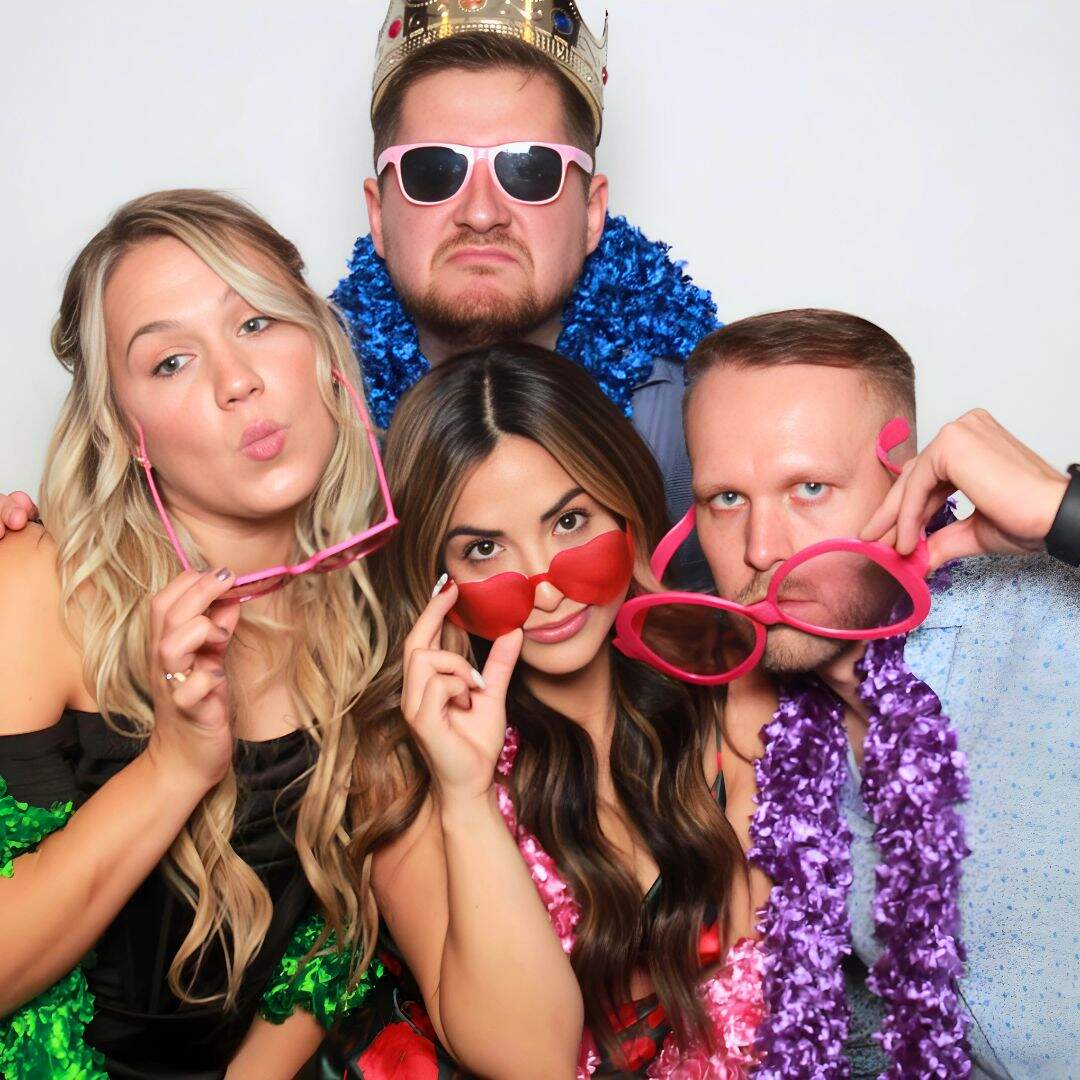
(848, 589)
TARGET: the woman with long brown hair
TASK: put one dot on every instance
(546, 837)
(174, 764)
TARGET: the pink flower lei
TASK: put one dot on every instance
(732, 997)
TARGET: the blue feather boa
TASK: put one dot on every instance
(632, 305)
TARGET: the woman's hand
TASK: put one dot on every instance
(190, 631)
(16, 510)
(456, 715)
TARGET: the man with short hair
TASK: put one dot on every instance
(783, 418)
(489, 219)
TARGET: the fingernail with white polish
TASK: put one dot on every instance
(478, 680)
(439, 585)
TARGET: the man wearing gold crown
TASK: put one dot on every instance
(488, 218)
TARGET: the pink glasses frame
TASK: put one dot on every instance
(392, 155)
(365, 542)
(908, 570)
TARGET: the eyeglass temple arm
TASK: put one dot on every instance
(889, 438)
(373, 441)
(667, 547)
(144, 461)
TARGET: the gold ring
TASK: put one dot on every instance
(175, 676)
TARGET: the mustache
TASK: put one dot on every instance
(758, 587)
(468, 238)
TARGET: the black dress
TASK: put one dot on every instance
(139, 1025)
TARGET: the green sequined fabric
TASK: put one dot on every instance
(43, 1040)
(321, 987)
(23, 827)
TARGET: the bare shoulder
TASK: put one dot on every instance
(40, 666)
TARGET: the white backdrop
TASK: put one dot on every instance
(916, 162)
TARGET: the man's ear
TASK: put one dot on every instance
(596, 210)
(373, 198)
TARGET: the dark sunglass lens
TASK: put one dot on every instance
(697, 638)
(432, 174)
(531, 175)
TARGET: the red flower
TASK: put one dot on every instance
(399, 1053)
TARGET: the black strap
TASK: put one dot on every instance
(1063, 539)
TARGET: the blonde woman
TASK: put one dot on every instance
(175, 763)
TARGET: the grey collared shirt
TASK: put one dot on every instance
(658, 419)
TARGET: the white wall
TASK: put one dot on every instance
(915, 162)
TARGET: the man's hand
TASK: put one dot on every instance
(1015, 493)
(16, 510)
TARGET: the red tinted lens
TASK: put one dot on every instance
(493, 607)
(843, 590)
(595, 573)
(254, 589)
(359, 550)
(696, 638)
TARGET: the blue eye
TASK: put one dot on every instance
(256, 325)
(726, 500)
(172, 365)
(812, 490)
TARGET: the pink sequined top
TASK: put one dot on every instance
(732, 997)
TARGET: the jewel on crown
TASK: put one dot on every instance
(555, 27)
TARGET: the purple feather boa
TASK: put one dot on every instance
(914, 775)
(803, 843)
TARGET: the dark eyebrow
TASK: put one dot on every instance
(495, 534)
(472, 530)
(573, 493)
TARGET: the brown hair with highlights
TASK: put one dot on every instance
(452, 420)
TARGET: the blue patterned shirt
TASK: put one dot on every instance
(1002, 650)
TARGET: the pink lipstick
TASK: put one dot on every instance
(263, 441)
(560, 631)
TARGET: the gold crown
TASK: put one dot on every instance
(555, 27)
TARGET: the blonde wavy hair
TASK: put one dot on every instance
(114, 556)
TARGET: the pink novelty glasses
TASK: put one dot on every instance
(595, 572)
(527, 172)
(262, 582)
(847, 589)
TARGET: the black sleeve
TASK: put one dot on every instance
(38, 765)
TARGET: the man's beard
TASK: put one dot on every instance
(478, 316)
(794, 652)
